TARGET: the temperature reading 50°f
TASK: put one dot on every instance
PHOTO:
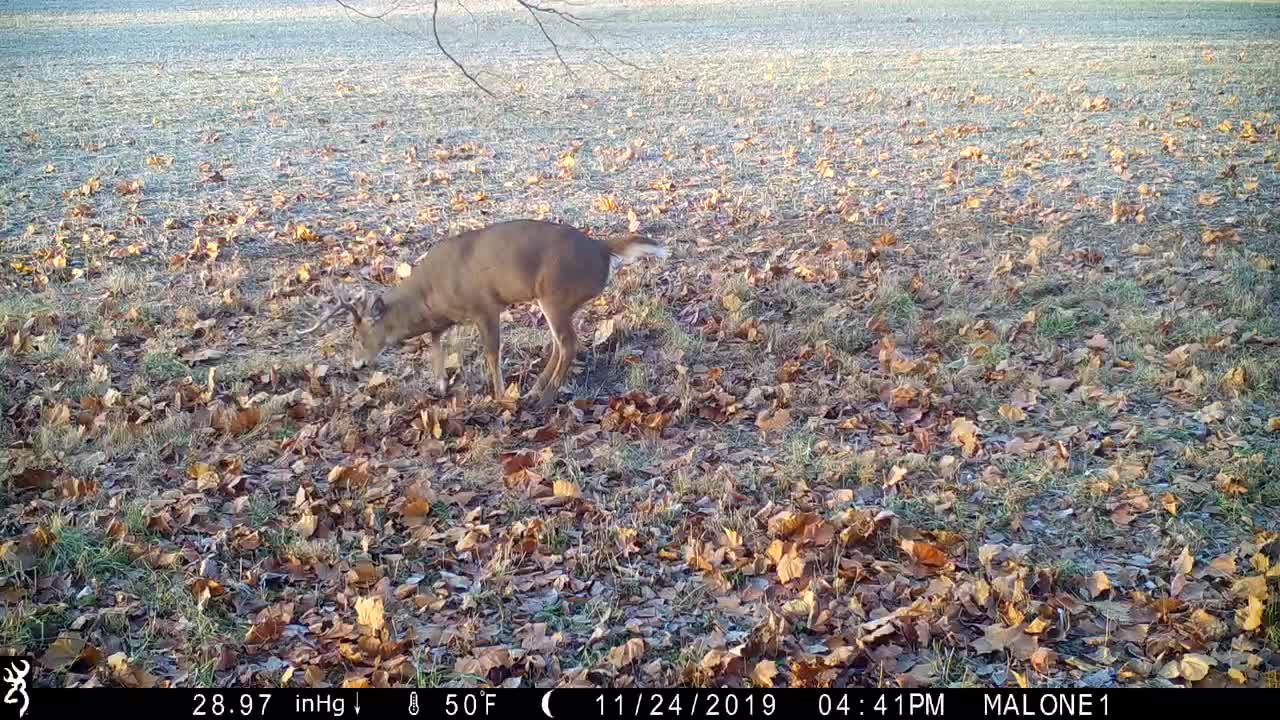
(469, 704)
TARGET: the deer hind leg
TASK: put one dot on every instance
(437, 362)
(552, 352)
(561, 321)
(491, 338)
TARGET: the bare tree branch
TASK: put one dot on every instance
(435, 31)
(567, 17)
(371, 16)
(540, 10)
(554, 47)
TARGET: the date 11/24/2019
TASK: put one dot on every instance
(833, 704)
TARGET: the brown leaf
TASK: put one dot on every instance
(127, 675)
(267, 631)
(925, 553)
(763, 673)
(627, 653)
(34, 478)
(1042, 660)
(62, 652)
(363, 574)
(778, 420)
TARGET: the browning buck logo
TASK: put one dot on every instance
(15, 676)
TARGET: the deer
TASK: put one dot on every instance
(474, 276)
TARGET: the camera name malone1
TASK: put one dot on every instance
(1049, 704)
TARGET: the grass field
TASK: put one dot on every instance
(964, 368)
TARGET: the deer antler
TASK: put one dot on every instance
(13, 675)
(342, 304)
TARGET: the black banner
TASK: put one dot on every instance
(570, 704)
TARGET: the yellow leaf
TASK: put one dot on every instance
(1185, 562)
(973, 203)
(1250, 618)
(1170, 503)
(369, 612)
(306, 525)
(1012, 414)
(607, 203)
(1235, 378)
(1273, 424)
(564, 488)
(790, 567)
(1098, 583)
(965, 434)
(404, 270)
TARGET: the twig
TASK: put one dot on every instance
(371, 16)
(435, 32)
(554, 47)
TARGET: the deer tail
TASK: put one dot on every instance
(634, 245)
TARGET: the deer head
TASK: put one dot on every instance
(368, 315)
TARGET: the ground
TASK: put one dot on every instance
(964, 368)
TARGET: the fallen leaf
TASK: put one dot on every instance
(627, 653)
(778, 420)
(62, 652)
(925, 553)
(1185, 562)
(1250, 617)
(1195, 666)
(369, 612)
(1098, 583)
(763, 673)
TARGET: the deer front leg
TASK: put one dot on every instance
(490, 336)
(437, 362)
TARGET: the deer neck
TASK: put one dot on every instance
(407, 316)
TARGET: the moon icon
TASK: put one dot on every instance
(546, 704)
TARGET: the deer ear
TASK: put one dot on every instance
(378, 309)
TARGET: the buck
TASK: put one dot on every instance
(474, 276)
